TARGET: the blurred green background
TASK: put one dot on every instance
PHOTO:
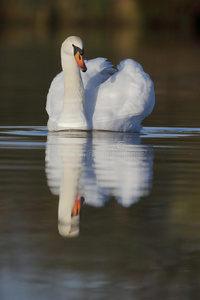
(175, 14)
(163, 36)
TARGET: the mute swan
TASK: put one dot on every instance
(101, 98)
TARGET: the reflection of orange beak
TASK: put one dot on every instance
(80, 61)
(77, 206)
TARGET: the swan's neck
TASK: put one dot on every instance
(73, 85)
(72, 115)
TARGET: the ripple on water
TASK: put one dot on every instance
(160, 132)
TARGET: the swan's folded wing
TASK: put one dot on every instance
(125, 99)
(98, 71)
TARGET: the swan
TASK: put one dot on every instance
(92, 95)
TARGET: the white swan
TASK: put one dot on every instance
(96, 99)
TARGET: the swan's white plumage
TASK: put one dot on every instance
(117, 102)
(123, 100)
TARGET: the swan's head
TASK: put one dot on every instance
(73, 46)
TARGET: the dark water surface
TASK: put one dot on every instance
(139, 232)
(140, 226)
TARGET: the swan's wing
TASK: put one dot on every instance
(98, 71)
(55, 98)
(124, 99)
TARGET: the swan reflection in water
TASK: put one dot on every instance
(91, 167)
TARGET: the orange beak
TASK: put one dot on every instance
(80, 61)
(77, 206)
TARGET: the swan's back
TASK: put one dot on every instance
(124, 99)
(98, 71)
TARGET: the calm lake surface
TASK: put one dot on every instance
(138, 236)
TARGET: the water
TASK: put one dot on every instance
(139, 226)
(138, 236)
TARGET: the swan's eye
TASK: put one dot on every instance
(81, 51)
